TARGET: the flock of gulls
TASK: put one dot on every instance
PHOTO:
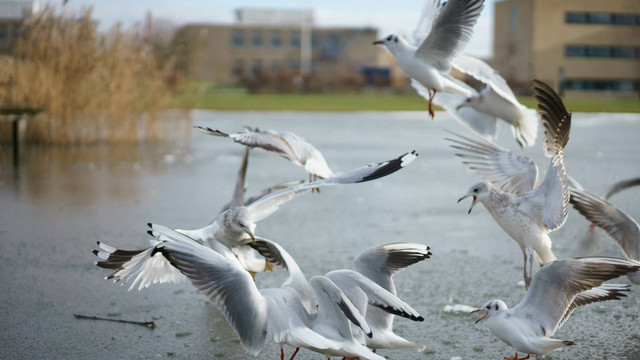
(350, 313)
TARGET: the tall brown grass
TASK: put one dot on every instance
(93, 87)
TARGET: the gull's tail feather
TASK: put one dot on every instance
(525, 130)
(556, 120)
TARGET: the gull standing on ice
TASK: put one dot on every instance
(526, 213)
(442, 34)
(481, 111)
(556, 291)
(286, 144)
(619, 225)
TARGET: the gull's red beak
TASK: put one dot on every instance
(483, 316)
(378, 42)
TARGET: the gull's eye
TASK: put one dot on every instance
(488, 307)
(395, 39)
(475, 190)
(496, 307)
(389, 38)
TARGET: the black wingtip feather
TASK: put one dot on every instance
(389, 168)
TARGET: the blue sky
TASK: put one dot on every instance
(396, 16)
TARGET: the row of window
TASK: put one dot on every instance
(601, 85)
(602, 18)
(627, 52)
(257, 39)
(258, 65)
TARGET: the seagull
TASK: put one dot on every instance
(556, 291)
(440, 37)
(619, 225)
(286, 144)
(525, 212)
(379, 264)
(480, 112)
(364, 293)
(230, 231)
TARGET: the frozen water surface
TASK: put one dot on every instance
(61, 201)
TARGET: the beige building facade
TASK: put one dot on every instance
(225, 54)
(580, 47)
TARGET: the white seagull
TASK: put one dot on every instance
(442, 34)
(619, 225)
(480, 111)
(362, 292)
(525, 212)
(230, 231)
(556, 291)
(379, 264)
(286, 144)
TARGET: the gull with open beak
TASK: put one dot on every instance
(556, 291)
(525, 211)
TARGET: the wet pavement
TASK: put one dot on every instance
(62, 200)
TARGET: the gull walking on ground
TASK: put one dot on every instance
(556, 291)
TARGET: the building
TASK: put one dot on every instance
(580, 47)
(11, 14)
(272, 42)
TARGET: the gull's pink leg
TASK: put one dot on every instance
(294, 353)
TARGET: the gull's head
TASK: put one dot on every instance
(392, 42)
(471, 101)
(239, 222)
(479, 192)
(490, 308)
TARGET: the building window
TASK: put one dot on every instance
(237, 38)
(331, 46)
(294, 40)
(276, 39)
(238, 68)
(3, 32)
(315, 40)
(513, 19)
(602, 18)
(256, 67)
(256, 38)
(601, 85)
(276, 65)
(294, 64)
(627, 52)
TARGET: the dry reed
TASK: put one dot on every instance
(93, 87)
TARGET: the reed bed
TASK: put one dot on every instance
(93, 87)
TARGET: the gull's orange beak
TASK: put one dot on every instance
(378, 42)
(483, 316)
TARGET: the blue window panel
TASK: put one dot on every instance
(315, 40)
(294, 64)
(256, 38)
(3, 32)
(237, 38)
(576, 18)
(598, 51)
(276, 39)
(601, 85)
(513, 19)
(331, 46)
(601, 18)
(575, 51)
(625, 52)
(625, 19)
(294, 40)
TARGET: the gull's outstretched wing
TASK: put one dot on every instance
(430, 11)
(238, 191)
(556, 285)
(380, 263)
(268, 204)
(264, 192)
(603, 292)
(354, 283)
(481, 71)
(619, 186)
(508, 171)
(450, 33)
(549, 202)
(226, 283)
(620, 226)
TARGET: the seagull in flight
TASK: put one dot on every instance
(481, 111)
(525, 211)
(556, 291)
(286, 144)
(441, 36)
